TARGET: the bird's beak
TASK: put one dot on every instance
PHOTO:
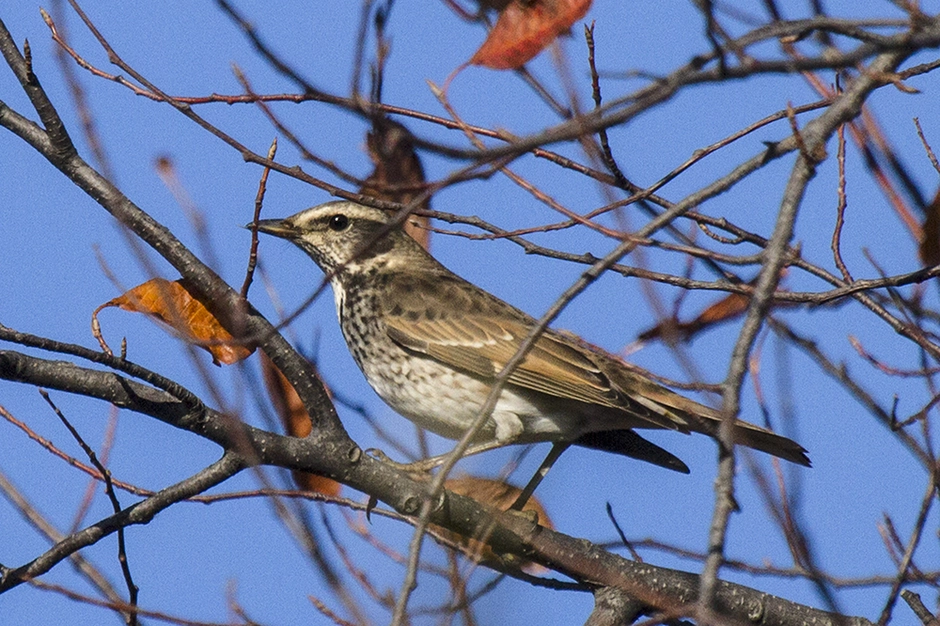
(278, 228)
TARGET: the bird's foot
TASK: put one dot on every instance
(426, 465)
(414, 467)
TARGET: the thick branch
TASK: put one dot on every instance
(657, 588)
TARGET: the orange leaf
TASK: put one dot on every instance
(726, 309)
(172, 304)
(930, 242)
(494, 494)
(398, 175)
(296, 422)
(729, 307)
(524, 28)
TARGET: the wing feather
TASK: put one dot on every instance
(458, 324)
(480, 339)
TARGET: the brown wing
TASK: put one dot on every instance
(462, 326)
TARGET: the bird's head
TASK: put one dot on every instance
(345, 235)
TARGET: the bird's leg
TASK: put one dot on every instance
(557, 450)
(426, 465)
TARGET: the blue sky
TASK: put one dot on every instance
(57, 243)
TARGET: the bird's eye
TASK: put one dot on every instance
(338, 222)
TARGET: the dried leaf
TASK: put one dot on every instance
(296, 422)
(494, 494)
(495, 5)
(172, 304)
(524, 28)
(726, 309)
(930, 243)
(398, 175)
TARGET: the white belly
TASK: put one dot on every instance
(447, 402)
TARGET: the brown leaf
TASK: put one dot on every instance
(296, 422)
(172, 304)
(398, 175)
(495, 5)
(930, 244)
(524, 28)
(726, 309)
(494, 494)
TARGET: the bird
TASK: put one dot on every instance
(431, 345)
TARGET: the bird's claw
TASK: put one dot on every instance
(375, 453)
(416, 467)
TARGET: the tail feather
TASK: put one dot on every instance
(628, 443)
(752, 436)
(660, 407)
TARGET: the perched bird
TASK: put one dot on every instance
(431, 344)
